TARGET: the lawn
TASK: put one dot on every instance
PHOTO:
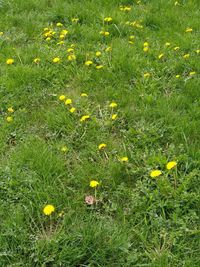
(99, 140)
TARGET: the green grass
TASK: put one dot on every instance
(137, 220)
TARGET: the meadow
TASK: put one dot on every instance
(99, 139)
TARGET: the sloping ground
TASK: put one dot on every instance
(99, 135)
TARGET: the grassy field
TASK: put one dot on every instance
(99, 138)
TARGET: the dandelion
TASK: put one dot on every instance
(176, 48)
(98, 53)
(56, 60)
(186, 56)
(84, 95)
(59, 24)
(145, 44)
(72, 110)
(94, 183)
(84, 118)
(146, 75)
(9, 61)
(160, 56)
(132, 37)
(10, 110)
(113, 105)
(64, 32)
(88, 62)
(89, 200)
(192, 73)
(155, 173)
(71, 57)
(109, 19)
(114, 117)
(108, 49)
(1, 33)
(102, 146)
(124, 159)
(64, 149)
(198, 51)
(178, 76)
(146, 49)
(104, 33)
(68, 101)
(60, 43)
(48, 39)
(70, 50)
(167, 44)
(98, 67)
(75, 20)
(170, 165)
(48, 209)
(62, 97)
(36, 60)
(9, 119)
(189, 30)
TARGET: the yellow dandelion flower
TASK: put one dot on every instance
(189, 30)
(59, 24)
(1, 33)
(9, 61)
(145, 44)
(64, 149)
(171, 165)
(186, 56)
(98, 54)
(108, 49)
(192, 73)
(68, 101)
(64, 32)
(102, 146)
(48, 209)
(88, 62)
(11, 110)
(56, 60)
(72, 110)
(176, 48)
(124, 159)
(75, 20)
(155, 173)
(94, 183)
(71, 57)
(84, 118)
(198, 51)
(178, 76)
(60, 43)
(70, 50)
(114, 117)
(146, 49)
(98, 67)
(84, 95)
(131, 37)
(48, 39)
(62, 36)
(167, 44)
(106, 33)
(62, 97)
(113, 105)
(36, 60)
(160, 56)
(146, 75)
(108, 19)
(9, 119)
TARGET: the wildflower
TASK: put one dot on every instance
(178, 76)
(161, 56)
(84, 118)
(9, 61)
(145, 44)
(9, 119)
(90, 200)
(11, 110)
(62, 36)
(59, 24)
(36, 60)
(64, 149)
(71, 57)
(155, 173)
(146, 75)
(98, 67)
(146, 49)
(88, 62)
(94, 183)
(48, 209)
(124, 159)
(113, 105)
(105, 33)
(84, 95)
(189, 30)
(114, 117)
(68, 101)
(108, 49)
(70, 50)
(109, 19)
(198, 51)
(171, 165)
(167, 44)
(102, 146)
(48, 39)
(186, 56)
(176, 48)
(1, 33)
(60, 43)
(75, 20)
(64, 32)
(192, 73)
(98, 53)
(62, 97)
(132, 37)
(72, 110)
(56, 60)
